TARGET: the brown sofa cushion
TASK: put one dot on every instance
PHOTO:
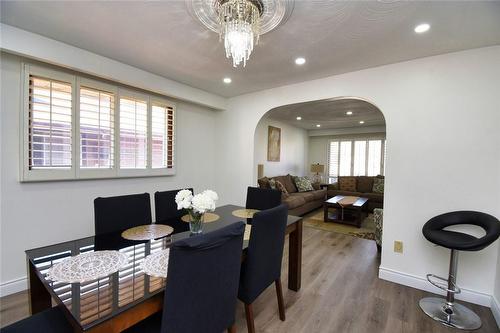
(319, 194)
(263, 182)
(308, 196)
(364, 184)
(294, 201)
(375, 197)
(288, 182)
(282, 189)
(347, 184)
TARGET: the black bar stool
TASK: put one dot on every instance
(446, 311)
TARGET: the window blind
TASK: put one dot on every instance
(96, 129)
(49, 124)
(133, 133)
(356, 158)
(162, 131)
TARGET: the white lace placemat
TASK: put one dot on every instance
(147, 232)
(156, 264)
(87, 266)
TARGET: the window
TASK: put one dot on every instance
(356, 157)
(77, 128)
(50, 124)
(133, 133)
(96, 129)
(162, 128)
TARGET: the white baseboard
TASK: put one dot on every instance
(495, 308)
(13, 286)
(422, 284)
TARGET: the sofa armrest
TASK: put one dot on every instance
(333, 186)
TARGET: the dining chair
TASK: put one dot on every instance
(262, 198)
(166, 211)
(262, 265)
(112, 214)
(202, 288)
(51, 320)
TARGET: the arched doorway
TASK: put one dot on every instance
(333, 141)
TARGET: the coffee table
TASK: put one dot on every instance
(351, 214)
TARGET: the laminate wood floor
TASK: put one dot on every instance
(340, 293)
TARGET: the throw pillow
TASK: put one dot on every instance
(378, 185)
(290, 186)
(272, 184)
(316, 186)
(263, 182)
(365, 184)
(282, 188)
(303, 184)
(347, 184)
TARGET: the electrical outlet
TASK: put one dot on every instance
(398, 246)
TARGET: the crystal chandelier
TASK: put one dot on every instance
(240, 22)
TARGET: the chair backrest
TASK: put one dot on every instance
(121, 212)
(166, 211)
(262, 198)
(262, 265)
(202, 287)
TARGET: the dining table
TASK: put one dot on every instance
(123, 298)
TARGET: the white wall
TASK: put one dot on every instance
(293, 157)
(442, 119)
(37, 214)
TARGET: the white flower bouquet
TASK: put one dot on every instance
(196, 205)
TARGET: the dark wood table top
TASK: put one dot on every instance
(94, 302)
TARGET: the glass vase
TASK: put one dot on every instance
(195, 222)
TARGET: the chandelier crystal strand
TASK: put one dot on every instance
(240, 28)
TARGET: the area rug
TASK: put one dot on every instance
(367, 230)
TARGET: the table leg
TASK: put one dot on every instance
(295, 257)
(39, 297)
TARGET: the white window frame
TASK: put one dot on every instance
(83, 173)
(165, 170)
(75, 172)
(44, 174)
(353, 139)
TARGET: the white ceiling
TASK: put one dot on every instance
(334, 36)
(329, 113)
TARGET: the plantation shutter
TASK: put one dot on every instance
(96, 129)
(133, 133)
(49, 124)
(333, 161)
(162, 132)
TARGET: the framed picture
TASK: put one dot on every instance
(273, 144)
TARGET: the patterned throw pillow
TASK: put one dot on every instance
(303, 184)
(272, 184)
(282, 188)
(347, 184)
(378, 185)
(263, 182)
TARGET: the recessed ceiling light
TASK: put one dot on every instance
(318, 125)
(300, 61)
(361, 122)
(227, 80)
(421, 28)
(349, 113)
(299, 118)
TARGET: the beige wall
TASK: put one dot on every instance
(293, 149)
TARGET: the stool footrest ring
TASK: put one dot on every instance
(442, 283)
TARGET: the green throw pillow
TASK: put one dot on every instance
(378, 185)
(303, 184)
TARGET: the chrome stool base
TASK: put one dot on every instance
(454, 315)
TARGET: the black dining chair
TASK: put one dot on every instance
(51, 320)
(166, 211)
(262, 265)
(262, 198)
(202, 287)
(112, 214)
